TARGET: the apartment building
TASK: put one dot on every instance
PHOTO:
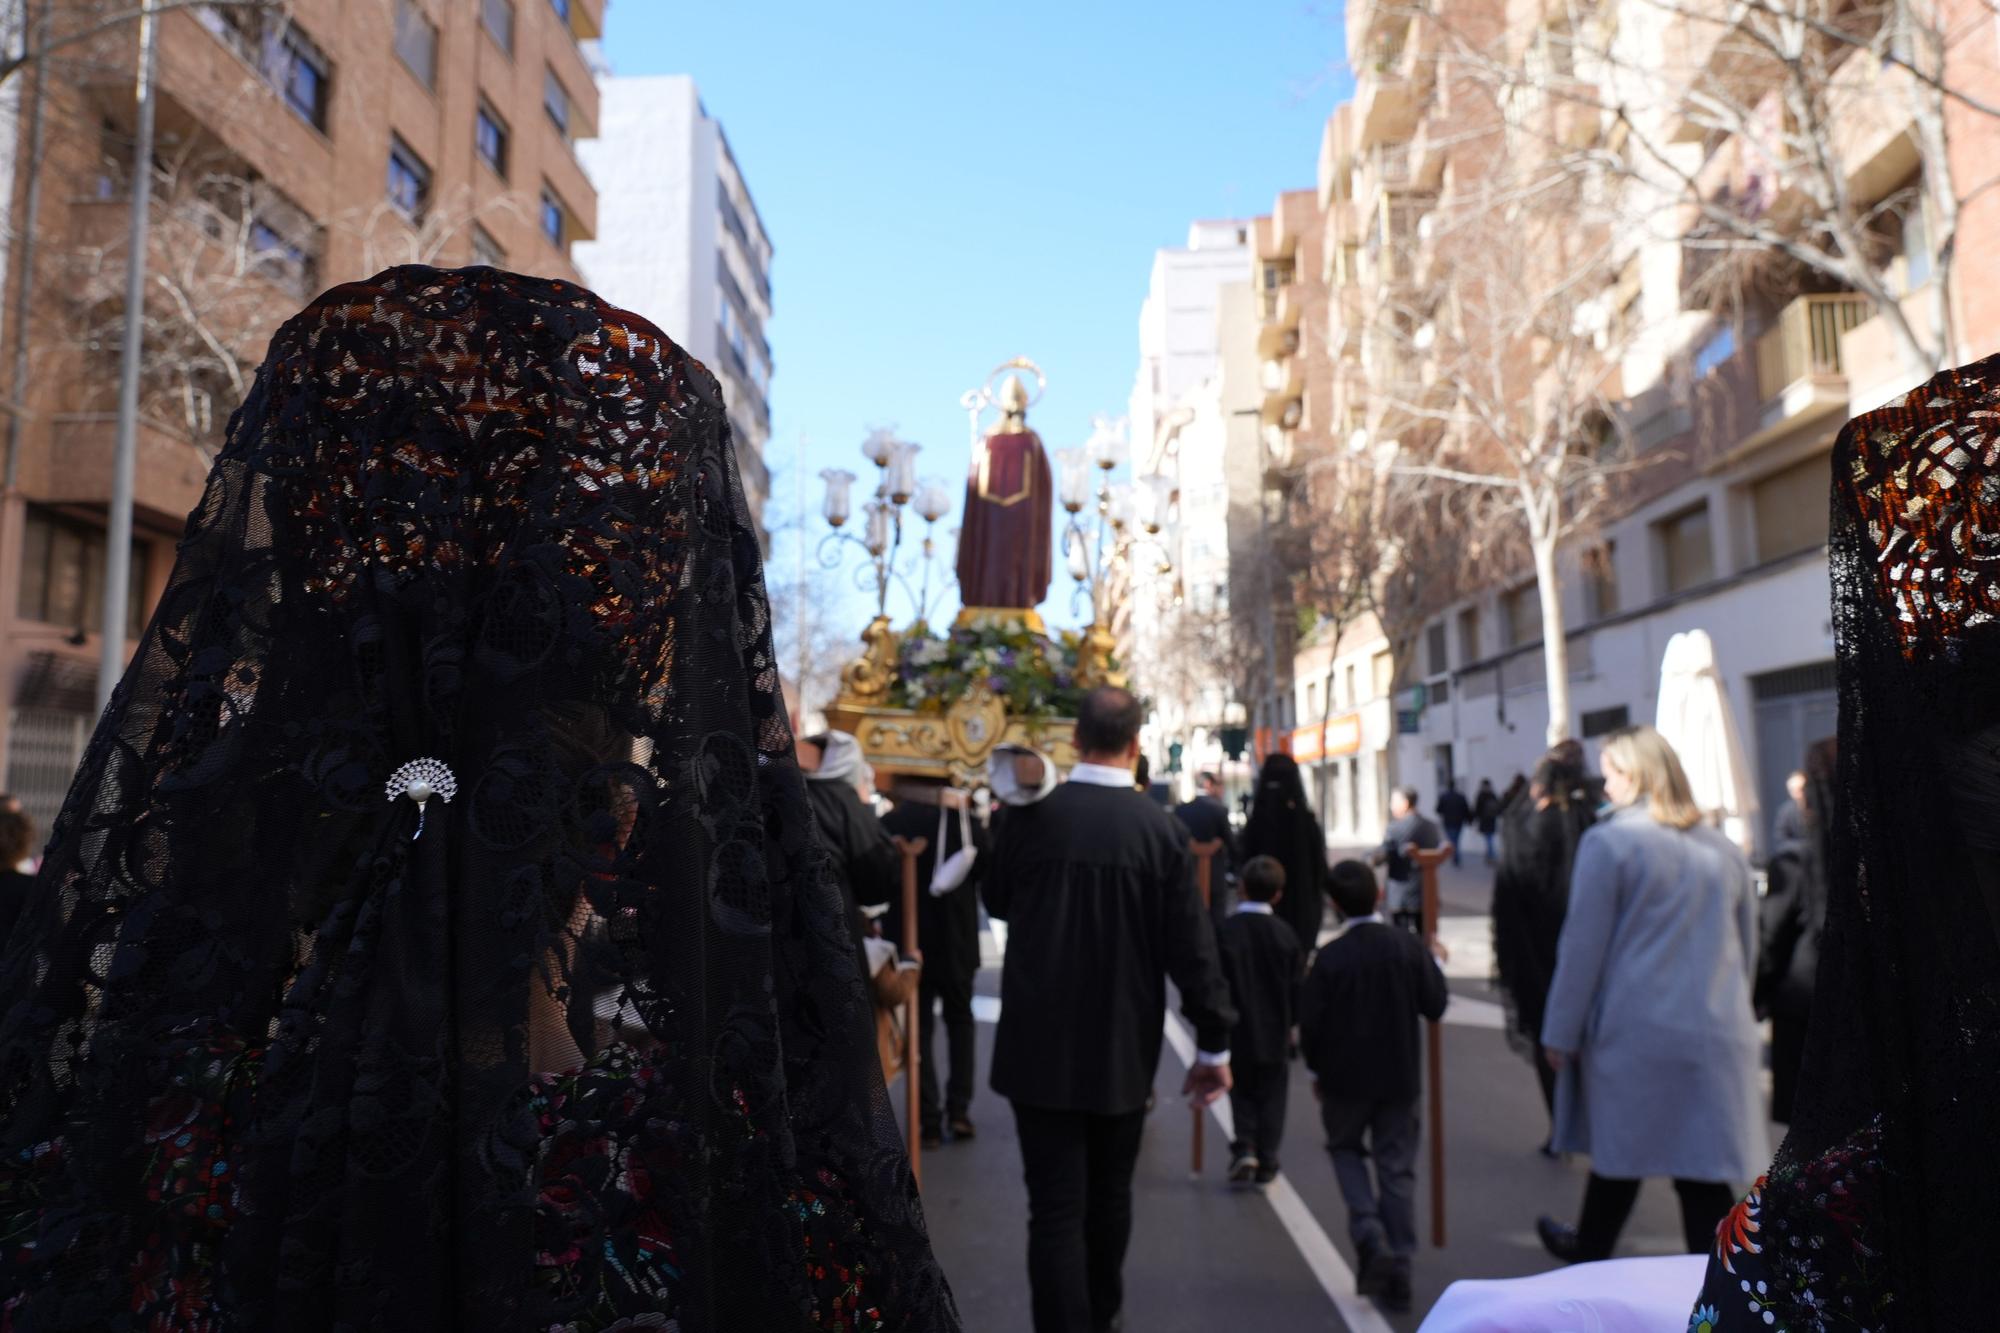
(1178, 429)
(291, 155)
(1729, 411)
(682, 244)
(1344, 698)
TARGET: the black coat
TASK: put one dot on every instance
(1264, 962)
(866, 864)
(1097, 888)
(1486, 810)
(1453, 810)
(1358, 1013)
(1207, 820)
(947, 924)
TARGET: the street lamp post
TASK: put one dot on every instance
(1128, 516)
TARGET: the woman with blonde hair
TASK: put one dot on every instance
(1649, 1021)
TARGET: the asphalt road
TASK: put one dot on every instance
(1205, 1256)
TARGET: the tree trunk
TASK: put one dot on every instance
(1555, 644)
(1326, 716)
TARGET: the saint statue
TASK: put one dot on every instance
(1006, 547)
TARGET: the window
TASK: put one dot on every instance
(290, 263)
(1603, 721)
(62, 574)
(1312, 698)
(552, 219)
(1353, 699)
(1720, 346)
(304, 74)
(1436, 660)
(486, 250)
(1789, 508)
(489, 134)
(417, 42)
(1468, 635)
(1918, 261)
(409, 179)
(1687, 556)
(555, 101)
(1385, 673)
(1600, 582)
(499, 19)
(1521, 609)
(280, 51)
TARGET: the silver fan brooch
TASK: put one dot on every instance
(421, 779)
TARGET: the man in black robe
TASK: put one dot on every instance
(1207, 820)
(1097, 887)
(948, 935)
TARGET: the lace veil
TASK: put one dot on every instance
(275, 1058)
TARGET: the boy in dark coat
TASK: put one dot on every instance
(1264, 962)
(1358, 1017)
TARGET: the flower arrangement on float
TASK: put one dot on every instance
(1034, 675)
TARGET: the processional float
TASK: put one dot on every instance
(937, 706)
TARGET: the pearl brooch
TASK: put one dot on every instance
(420, 780)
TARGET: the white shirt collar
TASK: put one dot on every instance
(1253, 907)
(1101, 775)
(1372, 919)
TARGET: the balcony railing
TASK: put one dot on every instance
(1805, 341)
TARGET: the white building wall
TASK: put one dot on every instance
(661, 164)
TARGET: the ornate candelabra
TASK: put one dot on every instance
(881, 542)
(1133, 522)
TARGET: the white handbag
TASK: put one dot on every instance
(952, 871)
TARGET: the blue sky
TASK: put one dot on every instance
(948, 185)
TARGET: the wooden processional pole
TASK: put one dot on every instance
(1428, 862)
(912, 848)
(1204, 880)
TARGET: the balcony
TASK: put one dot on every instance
(1336, 157)
(1275, 338)
(1386, 99)
(1384, 169)
(1425, 266)
(1283, 382)
(1803, 347)
(1427, 155)
(1801, 372)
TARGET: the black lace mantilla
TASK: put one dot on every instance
(590, 1053)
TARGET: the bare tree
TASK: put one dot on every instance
(49, 31)
(1499, 377)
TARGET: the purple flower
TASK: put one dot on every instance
(1006, 657)
(997, 684)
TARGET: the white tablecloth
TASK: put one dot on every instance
(1617, 1296)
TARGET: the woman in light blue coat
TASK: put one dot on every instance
(1649, 1021)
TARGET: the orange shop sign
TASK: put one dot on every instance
(1340, 736)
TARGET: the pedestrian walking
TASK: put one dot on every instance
(1264, 964)
(1788, 826)
(1649, 1023)
(1359, 1015)
(1531, 898)
(1097, 887)
(460, 693)
(1454, 812)
(867, 868)
(1486, 809)
(1282, 825)
(1408, 831)
(1793, 915)
(948, 930)
(1207, 820)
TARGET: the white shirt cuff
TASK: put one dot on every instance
(1211, 1057)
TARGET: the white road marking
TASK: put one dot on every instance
(1336, 1279)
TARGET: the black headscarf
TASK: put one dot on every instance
(1282, 825)
(1878, 1211)
(1531, 889)
(266, 1033)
